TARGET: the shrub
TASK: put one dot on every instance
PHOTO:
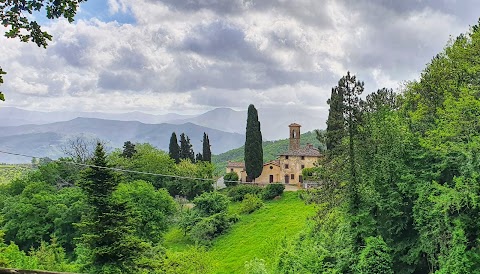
(237, 193)
(375, 257)
(231, 179)
(250, 203)
(272, 190)
(210, 203)
(210, 227)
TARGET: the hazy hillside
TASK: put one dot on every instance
(46, 140)
(271, 149)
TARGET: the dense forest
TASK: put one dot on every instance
(399, 191)
(400, 185)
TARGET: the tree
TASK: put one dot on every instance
(199, 157)
(335, 122)
(375, 257)
(231, 179)
(174, 149)
(207, 154)
(253, 144)
(15, 16)
(186, 151)
(128, 149)
(109, 228)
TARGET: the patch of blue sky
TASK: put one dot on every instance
(99, 9)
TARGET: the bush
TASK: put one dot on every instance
(272, 190)
(237, 193)
(231, 179)
(210, 227)
(250, 203)
(210, 203)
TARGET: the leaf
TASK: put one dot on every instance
(2, 97)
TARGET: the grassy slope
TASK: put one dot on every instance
(256, 235)
(271, 149)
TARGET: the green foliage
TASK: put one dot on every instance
(109, 229)
(250, 203)
(190, 188)
(272, 190)
(237, 193)
(375, 257)
(210, 203)
(207, 228)
(52, 257)
(152, 209)
(128, 149)
(193, 260)
(335, 122)
(253, 145)
(186, 151)
(231, 179)
(174, 148)
(10, 172)
(207, 154)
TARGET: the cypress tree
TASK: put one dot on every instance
(174, 149)
(207, 154)
(253, 145)
(198, 157)
(186, 151)
(335, 122)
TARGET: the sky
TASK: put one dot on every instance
(190, 56)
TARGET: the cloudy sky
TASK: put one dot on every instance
(189, 56)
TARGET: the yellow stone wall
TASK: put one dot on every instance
(268, 170)
(294, 167)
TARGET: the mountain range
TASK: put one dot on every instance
(45, 133)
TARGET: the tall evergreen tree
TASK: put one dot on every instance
(198, 157)
(108, 229)
(335, 122)
(186, 151)
(253, 145)
(128, 149)
(173, 148)
(207, 154)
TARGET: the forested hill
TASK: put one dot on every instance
(271, 149)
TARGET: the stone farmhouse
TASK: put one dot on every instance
(287, 168)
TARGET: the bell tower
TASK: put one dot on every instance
(294, 136)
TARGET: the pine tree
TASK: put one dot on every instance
(207, 154)
(128, 149)
(108, 229)
(253, 145)
(174, 149)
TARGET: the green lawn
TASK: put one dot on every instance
(257, 235)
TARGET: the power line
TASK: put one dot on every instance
(113, 168)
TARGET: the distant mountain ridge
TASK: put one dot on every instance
(46, 140)
(274, 121)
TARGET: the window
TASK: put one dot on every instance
(231, 170)
(286, 165)
(286, 157)
(303, 157)
(271, 167)
(300, 179)
(303, 166)
(292, 176)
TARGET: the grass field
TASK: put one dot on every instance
(257, 235)
(10, 172)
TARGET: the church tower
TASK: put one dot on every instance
(294, 136)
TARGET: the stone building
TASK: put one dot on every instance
(287, 168)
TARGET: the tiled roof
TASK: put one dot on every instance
(235, 164)
(274, 162)
(308, 150)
